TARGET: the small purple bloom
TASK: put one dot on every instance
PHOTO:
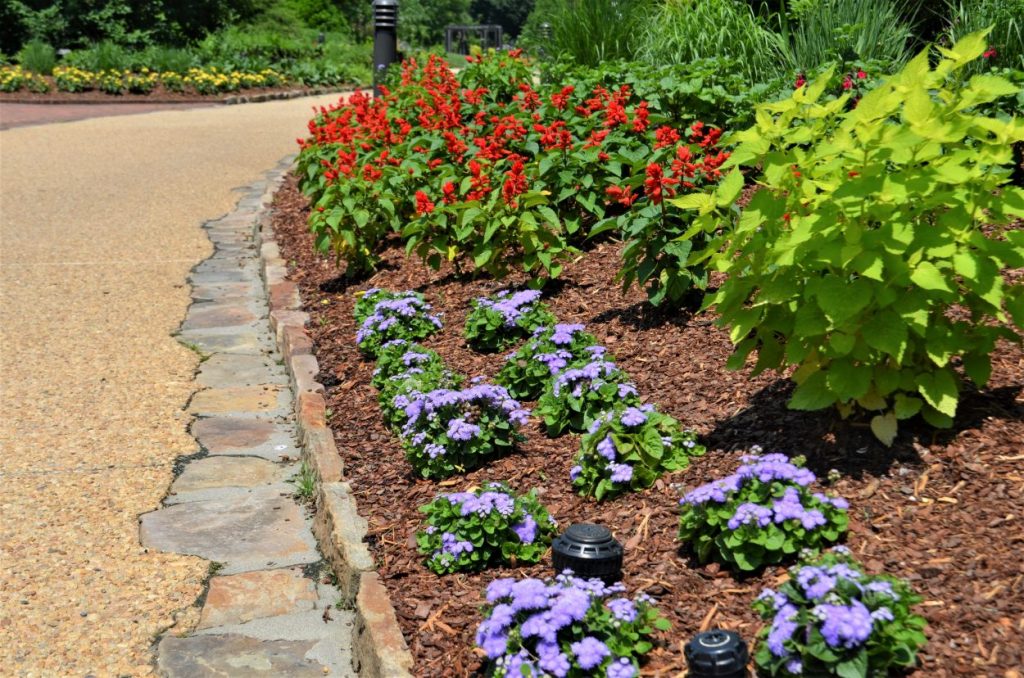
(621, 473)
(590, 652)
(633, 416)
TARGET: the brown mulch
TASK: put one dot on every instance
(945, 510)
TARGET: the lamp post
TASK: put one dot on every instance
(385, 39)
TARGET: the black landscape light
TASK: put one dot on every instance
(545, 32)
(717, 654)
(589, 551)
(385, 39)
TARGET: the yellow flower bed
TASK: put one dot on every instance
(201, 80)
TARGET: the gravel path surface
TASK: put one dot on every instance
(21, 115)
(99, 226)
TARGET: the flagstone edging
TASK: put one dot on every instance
(379, 649)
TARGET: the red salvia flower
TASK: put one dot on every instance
(665, 136)
(623, 196)
(640, 117)
(423, 204)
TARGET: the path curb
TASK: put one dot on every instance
(379, 649)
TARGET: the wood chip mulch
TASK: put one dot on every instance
(942, 509)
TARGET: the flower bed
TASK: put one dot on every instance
(958, 556)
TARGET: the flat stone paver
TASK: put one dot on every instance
(239, 370)
(101, 226)
(240, 400)
(234, 656)
(209, 473)
(240, 598)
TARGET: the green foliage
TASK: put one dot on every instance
(422, 22)
(497, 322)
(1005, 17)
(681, 31)
(849, 30)
(762, 514)
(528, 371)
(408, 318)
(401, 389)
(104, 56)
(871, 257)
(595, 31)
(578, 395)
(37, 57)
(628, 449)
(164, 59)
(398, 357)
(807, 610)
(484, 527)
(509, 14)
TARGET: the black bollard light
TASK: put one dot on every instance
(717, 654)
(590, 551)
(545, 32)
(385, 39)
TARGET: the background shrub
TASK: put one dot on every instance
(37, 57)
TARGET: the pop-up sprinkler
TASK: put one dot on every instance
(717, 654)
(589, 551)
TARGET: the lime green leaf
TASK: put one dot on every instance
(939, 389)
(928, 277)
(887, 332)
(884, 426)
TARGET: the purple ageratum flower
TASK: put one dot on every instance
(596, 351)
(511, 307)
(563, 334)
(627, 390)
(717, 491)
(499, 588)
(414, 358)
(526, 530)
(575, 472)
(883, 588)
(621, 473)
(750, 514)
(555, 361)
(529, 594)
(491, 638)
(774, 467)
(783, 627)
(846, 626)
(570, 605)
(461, 430)
(453, 546)
(882, 614)
(606, 448)
(519, 664)
(795, 666)
(552, 659)
(623, 609)
(591, 376)
(791, 508)
(540, 625)
(620, 668)
(633, 416)
(838, 502)
(815, 582)
(778, 599)
(434, 450)
(590, 652)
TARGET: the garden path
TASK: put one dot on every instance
(99, 228)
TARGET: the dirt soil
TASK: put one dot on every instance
(944, 510)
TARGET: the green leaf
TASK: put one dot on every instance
(847, 380)
(939, 389)
(905, 407)
(884, 426)
(886, 331)
(856, 667)
(928, 277)
(812, 394)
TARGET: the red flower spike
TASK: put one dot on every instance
(423, 204)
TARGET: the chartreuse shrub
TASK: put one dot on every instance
(492, 525)
(566, 627)
(628, 448)
(863, 260)
(573, 399)
(499, 321)
(406, 317)
(762, 514)
(549, 351)
(453, 431)
(831, 619)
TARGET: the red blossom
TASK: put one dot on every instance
(423, 204)
(656, 185)
(640, 117)
(448, 193)
(665, 136)
(621, 195)
(861, 74)
(800, 81)
(989, 53)
(515, 184)
(847, 83)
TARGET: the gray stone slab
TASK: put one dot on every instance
(247, 436)
(261, 529)
(233, 275)
(241, 598)
(227, 656)
(247, 342)
(265, 400)
(223, 292)
(228, 369)
(208, 316)
(220, 471)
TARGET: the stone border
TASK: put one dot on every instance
(379, 649)
(228, 100)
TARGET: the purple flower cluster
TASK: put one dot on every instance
(510, 306)
(484, 503)
(765, 469)
(545, 614)
(393, 316)
(590, 377)
(426, 407)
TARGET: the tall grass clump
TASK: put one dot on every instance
(826, 31)
(165, 59)
(594, 31)
(1006, 17)
(682, 31)
(38, 57)
(104, 56)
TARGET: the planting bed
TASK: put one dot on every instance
(944, 510)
